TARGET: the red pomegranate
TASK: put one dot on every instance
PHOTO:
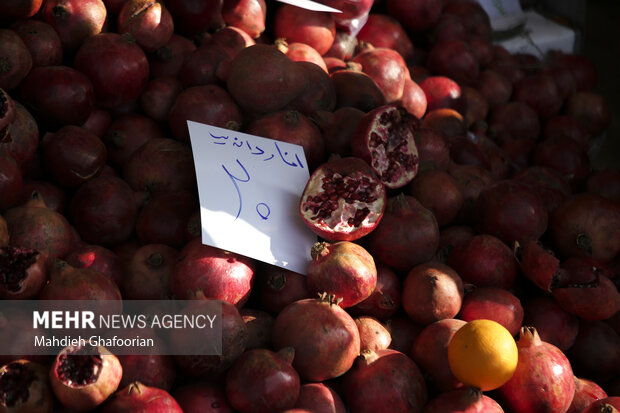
(554, 325)
(70, 283)
(74, 156)
(485, 261)
(580, 66)
(586, 392)
(385, 300)
(168, 59)
(408, 234)
(474, 16)
(75, 21)
(591, 110)
(387, 68)
(319, 94)
(494, 87)
(492, 303)
(467, 400)
(208, 104)
(116, 66)
(433, 149)
(139, 398)
(218, 274)
(104, 210)
(11, 181)
(512, 211)
(150, 23)
(126, 134)
(431, 292)
(245, 381)
(443, 92)
(277, 287)
(301, 52)
(381, 30)
(356, 89)
(193, 18)
(17, 9)
(343, 269)
(202, 360)
(414, 99)
(552, 187)
(319, 397)
(98, 258)
(430, 351)
(540, 92)
(33, 225)
(163, 218)
(337, 128)
(586, 225)
(325, 337)
(161, 165)
(543, 380)
(384, 378)
(449, 237)
(583, 289)
(502, 119)
(455, 59)
(595, 354)
(565, 155)
(416, 15)
(606, 404)
(262, 79)
(159, 96)
(259, 324)
(292, 127)
(295, 24)
(16, 59)
(203, 397)
(58, 95)
(247, 15)
(374, 335)
(148, 273)
(446, 202)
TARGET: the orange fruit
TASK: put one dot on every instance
(482, 354)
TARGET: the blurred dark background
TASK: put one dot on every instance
(600, 41)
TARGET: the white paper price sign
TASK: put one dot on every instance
(310, 5)
(249, 189)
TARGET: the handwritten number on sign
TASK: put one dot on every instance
(234, 180)
(264, 209)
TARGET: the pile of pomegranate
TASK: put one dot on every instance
(450, 181)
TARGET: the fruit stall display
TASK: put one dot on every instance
(468, 256)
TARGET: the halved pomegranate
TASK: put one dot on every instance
(84, 377)
(343, 200)
(23, 272)
(384, 138)
(24, 388)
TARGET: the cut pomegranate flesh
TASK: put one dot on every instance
(13, 265)
(15, 384)
(385, 139)
(77, 368)
(343, 200)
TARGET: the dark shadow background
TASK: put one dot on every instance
(601, 43)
